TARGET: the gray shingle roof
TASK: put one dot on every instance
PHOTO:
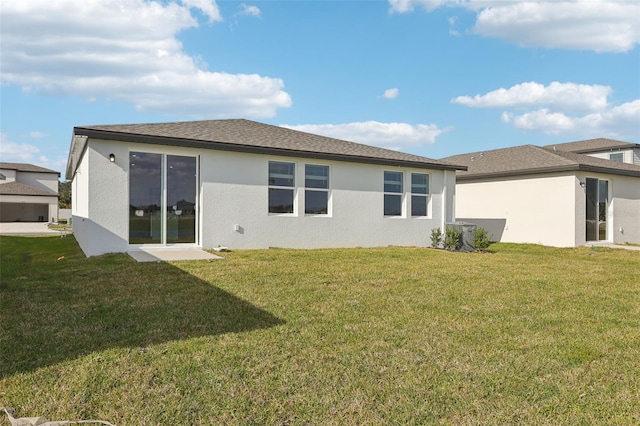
(250, 136)
(24, 167)
(17, 188)
(592, 145)
(530, 159)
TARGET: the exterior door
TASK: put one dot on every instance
(162, 198)
(597, 196)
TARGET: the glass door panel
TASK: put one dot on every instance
(181, 199)
(597, 195)
(145, 198)
(603, 196)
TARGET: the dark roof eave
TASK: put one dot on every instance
(544, 170)
(225, 146)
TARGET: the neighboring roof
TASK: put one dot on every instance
(593, 145)
(245, 136)
(24, 167)
(17, 188)
(530, 159)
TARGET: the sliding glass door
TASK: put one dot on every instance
(597, 195)
(162, 198)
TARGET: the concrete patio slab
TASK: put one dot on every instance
(171, 254)
(28, 228)
(615, 246)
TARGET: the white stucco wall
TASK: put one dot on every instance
(10, 175)
(625, 206)
(100, 200)
(233, 191)
(532, 209)
(44, 181)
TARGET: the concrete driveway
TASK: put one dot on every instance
(28, 228)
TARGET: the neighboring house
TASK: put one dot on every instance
(609, 149)
(243, 184)
(28, 193)
(531, 194)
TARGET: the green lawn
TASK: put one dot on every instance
(523, 335)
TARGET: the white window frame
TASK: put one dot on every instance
(292, 188)
(426, 195)
(312, 189)
(400, 193)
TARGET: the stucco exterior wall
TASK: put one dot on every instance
(625, 205)
(530, 209)
(45, 181)
(234, 191)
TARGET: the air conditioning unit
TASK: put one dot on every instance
(467, 233)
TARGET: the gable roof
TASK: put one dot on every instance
(593, 145)
(25, 167)
(530, 159)
(246, 136)
(17, 188)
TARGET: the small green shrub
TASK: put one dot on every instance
(481, 239)
(452, 239)
(436, 237)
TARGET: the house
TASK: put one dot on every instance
(609, 149)
(243, 184)
(28, 193)
(552, 195)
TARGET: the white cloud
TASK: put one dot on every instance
(572, 96)
(131, 54)
(12, 152)
(396, 136)
(37, 135)
(562, 108)
(598, 25)
(250, 10)
(208, 7)
(391, 93)
(621, 121)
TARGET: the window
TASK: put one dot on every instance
(419, 194)
(281, 187)
(617, 156)
(316, 195)
(393, 193)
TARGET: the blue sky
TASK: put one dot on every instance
(433, 78)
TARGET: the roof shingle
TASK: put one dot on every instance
(17, 188)
(25, 167)
(530, 159)
(251, 136)
(592, 145)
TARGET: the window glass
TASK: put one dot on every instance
(418, 205)
(316, 176)
(419, 183)
(280, 200)
(281, 174)
(392, 181)
(392, 205)
(316, 202)
(618, 156)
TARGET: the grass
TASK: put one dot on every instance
(524, 335)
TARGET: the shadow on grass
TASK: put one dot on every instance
(56, 305)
